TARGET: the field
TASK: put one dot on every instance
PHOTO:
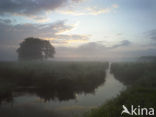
(50, 80)
(63, 80)
(140, 79)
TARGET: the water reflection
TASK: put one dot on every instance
(60, 97)
(60, 89)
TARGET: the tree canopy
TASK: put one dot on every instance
(35, 49)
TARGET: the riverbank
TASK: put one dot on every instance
(141, 81)
(50, 80)
(60, 89)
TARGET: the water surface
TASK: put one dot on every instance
(26, 104)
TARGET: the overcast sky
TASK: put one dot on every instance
(80, 29)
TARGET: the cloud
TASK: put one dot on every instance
(122, 43)
(38, 19)
(71, 12)
(97, 51)
(51, 31)
(70, 39)
(78, 1)
(72, 36)
(29, 7)
(87, 51)
(12, 35)
(97, 11)
(92, 51)
(92, 46)
(88, 11)
(152, 34)
(5, 21)
(68, 42)
(32, 7)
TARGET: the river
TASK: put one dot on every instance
(31, 105)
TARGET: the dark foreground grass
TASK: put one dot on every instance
(145, 97)
(140, 79)
(25, 73)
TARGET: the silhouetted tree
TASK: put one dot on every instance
(35, 49)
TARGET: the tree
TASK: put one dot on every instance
(35, 49)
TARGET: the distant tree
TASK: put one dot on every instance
(35, 49)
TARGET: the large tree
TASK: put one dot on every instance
(35, 49)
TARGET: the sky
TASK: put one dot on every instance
(81, 29)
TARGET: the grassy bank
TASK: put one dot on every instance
(140, 79)
(50, 80)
